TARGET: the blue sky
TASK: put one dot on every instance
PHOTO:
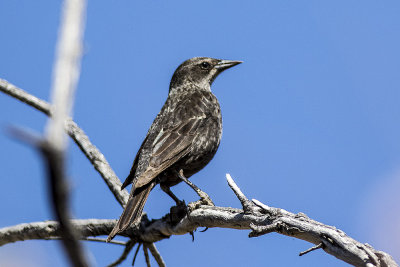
(311, 118)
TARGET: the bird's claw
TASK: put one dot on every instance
(204, 201)
(178, 212)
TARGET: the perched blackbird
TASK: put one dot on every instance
(184, 136)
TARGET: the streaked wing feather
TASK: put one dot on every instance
(173, 145)
(131, 175)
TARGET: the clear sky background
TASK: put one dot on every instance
(311, 118)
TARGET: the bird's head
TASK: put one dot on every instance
(200, 72)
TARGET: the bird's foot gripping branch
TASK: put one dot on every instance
(204, 197)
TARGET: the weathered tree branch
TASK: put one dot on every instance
(60, 203)
(146, 255)
(128, 247)
(78, 135)
(102, 240)
(136, 253)
(66, 69)
(53, 148)
(246, 204)
(260, 219)
(156, 254)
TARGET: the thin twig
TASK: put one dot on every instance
(320, 245)
(93, 239)
(25, 135)
(25, 97)
(136, 253)
(102, 240)
(124, 255)
(78, 135)
(246, 204)
(156, 254)
(146, 255)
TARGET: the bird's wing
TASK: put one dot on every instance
(131, 175)
(170, 145)
(171, 136)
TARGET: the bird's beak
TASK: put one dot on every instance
(226, 64)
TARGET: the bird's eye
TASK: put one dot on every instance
(205, 65)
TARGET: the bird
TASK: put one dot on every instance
(183, 138)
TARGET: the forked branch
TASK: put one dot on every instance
(92, 153)
(260, 219)
(255, 216)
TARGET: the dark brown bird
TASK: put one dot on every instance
(185, 135)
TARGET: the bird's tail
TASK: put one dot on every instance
(133, 209)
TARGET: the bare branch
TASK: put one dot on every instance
(94, 239)
(102, 240)
(25, 135)
(65, 78)
(146, 254)
(129, 246)
(25, 97)
(156, 254)
(320, 245)
(51, 230)
(98, 161)
(58, 191)
(66, 69)
(78, 135)
(136, 253)
(246, 204)
(340, 245)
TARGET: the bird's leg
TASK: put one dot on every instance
(167, 190)
(177, 212)
(204, 197)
